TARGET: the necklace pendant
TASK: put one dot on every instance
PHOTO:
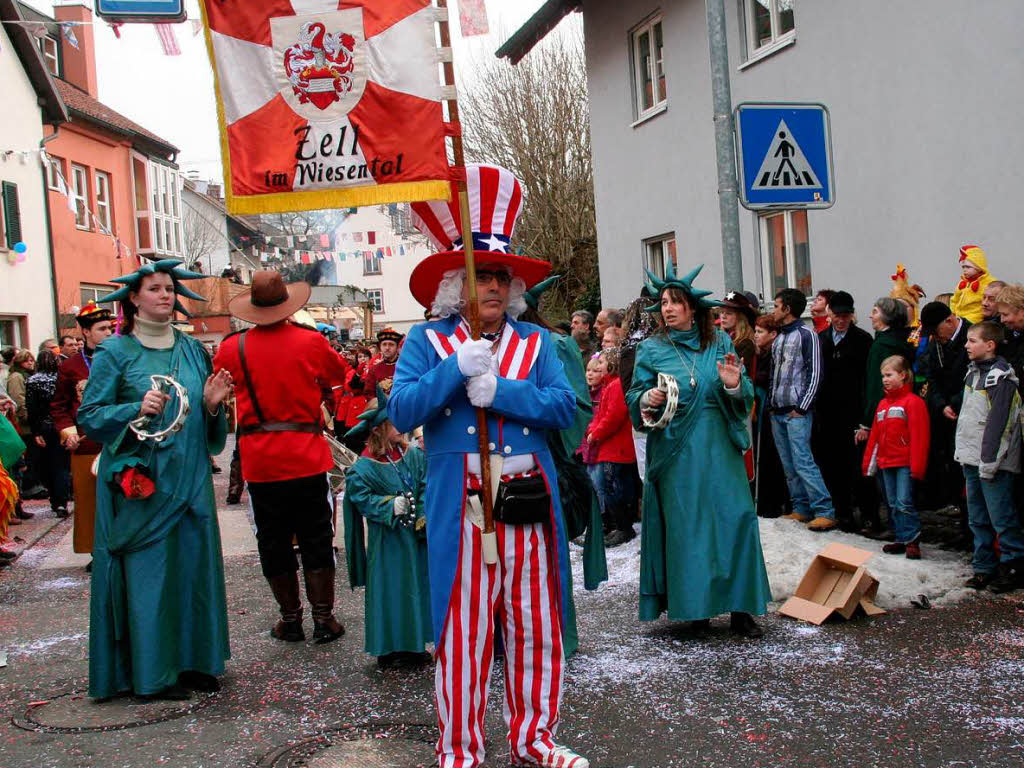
(693, 383)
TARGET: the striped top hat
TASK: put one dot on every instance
(495, 202)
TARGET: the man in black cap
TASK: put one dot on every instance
(837, 411)
(944, 365)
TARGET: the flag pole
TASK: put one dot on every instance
(490, 541)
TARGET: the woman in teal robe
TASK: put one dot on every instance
(700, 552)
(385, 487)
(158, 613)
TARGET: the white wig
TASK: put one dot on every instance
(448, 300)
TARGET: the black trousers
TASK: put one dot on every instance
(55, 468)
(287, 509)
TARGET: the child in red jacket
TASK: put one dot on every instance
(612, 434)
(898, 448)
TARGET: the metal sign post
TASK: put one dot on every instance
(784, 154)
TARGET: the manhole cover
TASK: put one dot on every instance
(77, 713)
(397, 745)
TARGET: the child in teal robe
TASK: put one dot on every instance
(389, 555)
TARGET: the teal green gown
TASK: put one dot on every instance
(392, 563)
(563, 446)
(700, 548)
(158, 605)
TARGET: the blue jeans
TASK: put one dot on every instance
(807, 490)
(991, 511)
(899, 496)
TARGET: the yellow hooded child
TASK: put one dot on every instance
(966, 301)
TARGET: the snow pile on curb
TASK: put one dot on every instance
(788, 550)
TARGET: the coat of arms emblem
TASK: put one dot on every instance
(320, 65)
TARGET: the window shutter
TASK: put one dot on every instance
(12, 214)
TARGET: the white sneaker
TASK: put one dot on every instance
(559, 757)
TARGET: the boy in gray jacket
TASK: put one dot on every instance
(988, 445)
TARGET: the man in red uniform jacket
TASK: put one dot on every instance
(72, 375)
(383, 372)
(280, 369)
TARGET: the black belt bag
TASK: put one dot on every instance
(523, 501)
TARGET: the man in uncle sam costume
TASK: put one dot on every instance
(512, 372)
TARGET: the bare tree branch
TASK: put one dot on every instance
(534, 119)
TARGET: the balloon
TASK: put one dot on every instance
(20, 247)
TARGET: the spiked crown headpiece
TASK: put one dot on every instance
(371, 417)
(169, 266)
(685, 284)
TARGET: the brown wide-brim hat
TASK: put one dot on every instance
(269, 300)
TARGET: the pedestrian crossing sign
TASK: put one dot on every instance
(785, 155)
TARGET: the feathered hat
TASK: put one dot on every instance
(90, 314)
(169, 266)
(495, 202)
(685, 284)
(373, 416)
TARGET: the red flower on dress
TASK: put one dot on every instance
(135, 484)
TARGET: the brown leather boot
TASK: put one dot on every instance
(235, 482)
(285, 587)
(320, 593)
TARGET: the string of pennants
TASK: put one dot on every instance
(165, 32)
(303, 256)
(64, 188)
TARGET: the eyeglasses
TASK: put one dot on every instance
(485, 276)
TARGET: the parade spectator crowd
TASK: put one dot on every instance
(851, 428)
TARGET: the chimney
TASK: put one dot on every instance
(214, 191)
(80, 63)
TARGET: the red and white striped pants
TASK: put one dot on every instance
(522, 590)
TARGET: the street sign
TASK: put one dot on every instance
(785, 155)
(147, 11)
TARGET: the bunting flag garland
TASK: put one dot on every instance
(168, 40)
(371, 238)
(68, 33)
(473, 18)
(322, 106)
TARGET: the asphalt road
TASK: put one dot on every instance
(912, 688)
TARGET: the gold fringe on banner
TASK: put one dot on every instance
(352, 197)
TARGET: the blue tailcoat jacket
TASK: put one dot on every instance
(533, 396)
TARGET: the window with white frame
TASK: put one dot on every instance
(768, 23)
(659, 252)
(11, 331)
(55, 172)
(785, 252)
(80, 195)
(103, 200)
(371, 263)
(375, 298)
(165, 191)
(50, 50)
(94, 292)
(648, 55)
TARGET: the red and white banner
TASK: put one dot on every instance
(328, 103)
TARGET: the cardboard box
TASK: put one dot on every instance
(836, 583)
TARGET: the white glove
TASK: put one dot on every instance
(481, 389)
(402, 506)
(475, 357)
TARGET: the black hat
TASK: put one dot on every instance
(841, 303)
(932, 314)
(741, 303)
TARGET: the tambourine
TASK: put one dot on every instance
(670, 387)
(162, 383)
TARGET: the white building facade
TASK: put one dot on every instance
(925, 109)
(27, 314)
(384, 279)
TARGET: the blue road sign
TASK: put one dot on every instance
(785, 155)
(141, 10)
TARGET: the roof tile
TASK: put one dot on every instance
(79, 101)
